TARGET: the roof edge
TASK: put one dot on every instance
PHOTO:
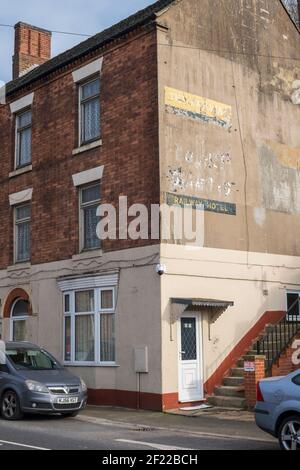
(139, 19)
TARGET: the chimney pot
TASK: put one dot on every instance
(32, 48)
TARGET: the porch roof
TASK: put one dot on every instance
(214, 308)
(208, 303)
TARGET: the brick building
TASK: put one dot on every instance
(185, 100)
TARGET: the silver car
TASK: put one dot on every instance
(33, 381)
(278, 409)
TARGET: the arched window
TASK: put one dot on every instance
(18, 318)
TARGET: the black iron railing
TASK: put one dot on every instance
(279, 336)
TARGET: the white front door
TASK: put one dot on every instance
(190, 352)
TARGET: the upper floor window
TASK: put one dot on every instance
(89, 202)
(22, 233)
(89, 119)
(23, 138)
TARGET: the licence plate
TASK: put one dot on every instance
(66, 401)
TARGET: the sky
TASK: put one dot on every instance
(79, 16)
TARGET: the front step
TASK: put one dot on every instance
(237, 372)
(233, 381)
(227, 402)
(227, 391)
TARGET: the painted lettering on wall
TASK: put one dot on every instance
(200, 172)
(199, 108)
(209, 205)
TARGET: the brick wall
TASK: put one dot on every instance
(32, 47)
(252, 378)
(285, 364)
(129, 122)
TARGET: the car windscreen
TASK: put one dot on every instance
(32, 359)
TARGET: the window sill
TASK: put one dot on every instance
(88, 255)
(20, 171)
(85, 148)
(84, 364)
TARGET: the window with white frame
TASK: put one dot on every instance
(89, 111)
(23, 138)
(22, 217)
(89, 202)
(89, 326)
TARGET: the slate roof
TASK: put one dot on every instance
(138, 19)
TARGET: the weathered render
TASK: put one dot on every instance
(229, 138)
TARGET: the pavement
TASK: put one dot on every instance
(99, 428)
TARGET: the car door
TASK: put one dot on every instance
(4, 376)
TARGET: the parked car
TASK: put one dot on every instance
(33, 381)
(278, 409)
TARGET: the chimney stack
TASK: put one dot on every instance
(32, 48)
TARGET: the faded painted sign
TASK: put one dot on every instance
(287, 156)
(279, 177)
(196, 107)
(208, 205)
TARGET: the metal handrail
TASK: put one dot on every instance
(279, 337)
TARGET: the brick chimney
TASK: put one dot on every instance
(32, 48)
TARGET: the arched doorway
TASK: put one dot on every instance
(18, 320)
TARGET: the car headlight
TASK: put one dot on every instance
(36, 387)
(83, 385)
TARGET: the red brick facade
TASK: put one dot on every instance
(129, 123)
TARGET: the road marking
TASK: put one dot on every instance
(17, 444)
(151, 444)
(137, 427)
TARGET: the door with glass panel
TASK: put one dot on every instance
(293, 306)
(190, 368)
(18, 320)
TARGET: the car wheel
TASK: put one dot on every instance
(10, 406)
(289, 433)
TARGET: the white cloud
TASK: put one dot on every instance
(82, 16)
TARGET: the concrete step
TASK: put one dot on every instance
(227, 402)
(229, 391)
(233, 381)
(250, 353)
(237, 372)
(240, 363)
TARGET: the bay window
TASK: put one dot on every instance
(89, 326)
